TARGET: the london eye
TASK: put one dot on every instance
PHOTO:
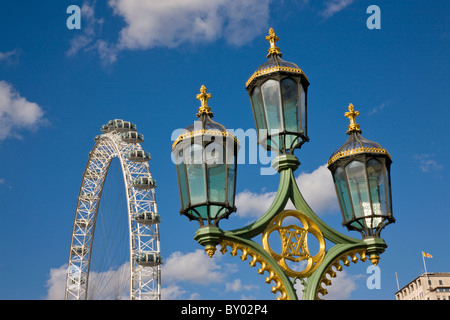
(119, 143)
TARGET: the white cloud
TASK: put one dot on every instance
(316, 187)
(342, 286)
(334, 6)
(16, 112)
(237, 286)
(427, 163)
(318, 190)
(378, 108)
(107, 285)
(172, 292)
(56, 284)
(170, 23)
(253, 205)
(87, 39)
(9, 56)
(191, 267)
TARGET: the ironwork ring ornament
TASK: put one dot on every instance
(294, 243)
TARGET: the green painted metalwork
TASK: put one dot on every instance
(288, 189)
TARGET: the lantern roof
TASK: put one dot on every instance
(274, 64)
(205, 125)
(356, 143)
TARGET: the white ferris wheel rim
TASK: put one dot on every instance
(143, 218)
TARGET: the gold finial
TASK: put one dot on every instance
(352, 114)
(203, 97)
(210, 250)
(272, 38)
(374, 258)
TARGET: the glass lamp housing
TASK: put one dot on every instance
(361, 174)
(206, 158)
(278, 96)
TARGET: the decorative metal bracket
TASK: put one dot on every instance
(293, 241)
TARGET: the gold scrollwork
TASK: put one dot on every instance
(246, 251)
(336, 266)
(294, 243)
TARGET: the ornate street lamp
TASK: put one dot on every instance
(278, 95)
(206, 157)
(361, 173)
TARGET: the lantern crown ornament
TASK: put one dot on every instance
(361, 174)
(277, 91)
(205, 154)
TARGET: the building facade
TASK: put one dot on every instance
(427, 286)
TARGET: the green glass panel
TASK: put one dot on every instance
(196, 173)
(181, 173)
(272, 105)
(216, 183)
(258, 109)
(359, 191)
(214, 210)
(342, 192)
(303, 110)
(216, 170)
(182, 183)
(231, 183)
(289, 93)
(377, 185)
(202, 210)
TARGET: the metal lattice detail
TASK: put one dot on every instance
(145, 282)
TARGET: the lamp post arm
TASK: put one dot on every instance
(257, 227)
(300, 204)
(288, 189)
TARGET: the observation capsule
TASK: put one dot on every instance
(144, 183)
(83, 223)
(118, 125)
(132, 137)
(147, 217)
(138, 156)
(149, 259)
(79, 250)
(97, 137)
(88, 197)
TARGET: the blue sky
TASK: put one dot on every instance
(144, 61)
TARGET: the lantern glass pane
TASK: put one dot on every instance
(216, 171)
(258, 109)
(195, 173)
(343, 195)
(289, 92)
(182, 183)
(271, 96)
(377, 185)
(359, 191)
(303, 109)
(231, 183)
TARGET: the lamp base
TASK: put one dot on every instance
(375, 247)
(209, 237)
(285, 161)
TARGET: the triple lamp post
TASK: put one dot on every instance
(206, 161)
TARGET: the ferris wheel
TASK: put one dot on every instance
(118, 141)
